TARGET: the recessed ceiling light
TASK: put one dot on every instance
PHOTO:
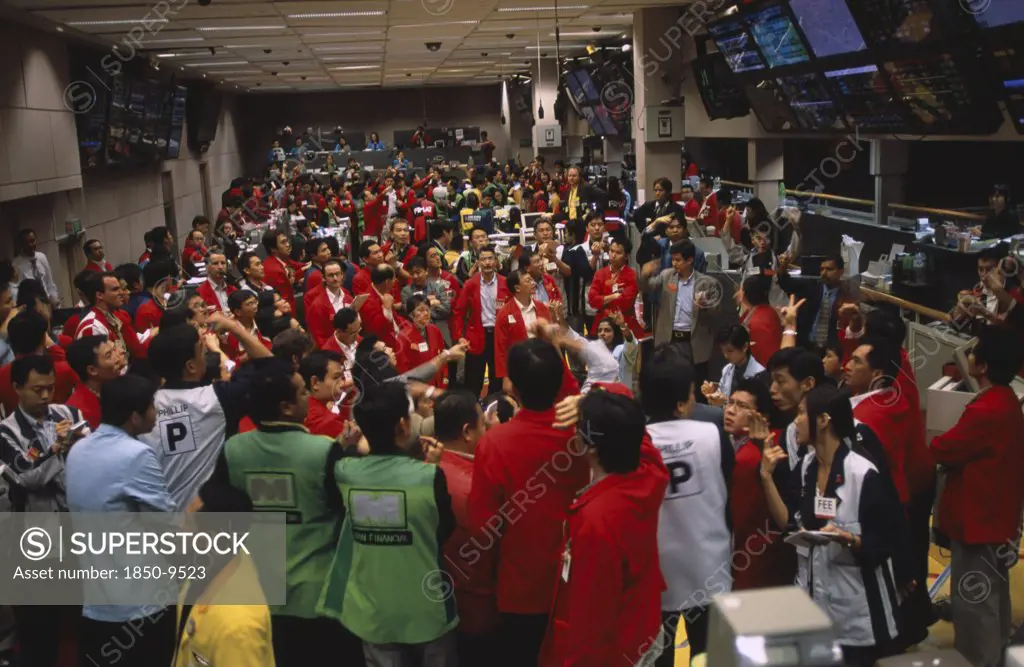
(349, 47)
(246, 46)
(60, 29)
(354, 67)
(541, 9)
(226, 63)
(117, 22)
(572, 34)
(338, 15)
(185, 54)
(431, 25)
(240, 27)
(341, 34)
(174, 40)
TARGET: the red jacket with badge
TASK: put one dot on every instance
(414, 350)
(526, 474)
(509, 329)
(466, 322)
(983, 456)
(280, 274)
(607, 608)
(625, 285)
(887, 415)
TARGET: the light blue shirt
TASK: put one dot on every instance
(488, 300)
(110, 471)
(684, 304)
(729, 374)
(6, 355)
(541, 292)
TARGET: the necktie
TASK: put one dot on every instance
(821, 330)
(573, 203)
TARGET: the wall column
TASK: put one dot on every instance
(889, 167)
(613, 156)
(650, 87)
(765, 170)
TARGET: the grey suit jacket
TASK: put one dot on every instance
(704, 319)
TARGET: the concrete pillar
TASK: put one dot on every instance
(573, 149)
(613, 156)
(545, 92)
(764, 170)
(889, 167)
(650, 87)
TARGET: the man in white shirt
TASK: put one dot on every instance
(216, 290)
(31, 263)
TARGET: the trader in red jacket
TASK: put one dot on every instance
(323, 371)
(420, 341)
(474, 316)
(525, 476)
(279, 270)
(515, 320)
(332, 298)
(607, 608)
(370, 256)
(981, 504)
(378, 314)
(215, 290)
(615, 286)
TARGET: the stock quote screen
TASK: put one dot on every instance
(812, 102)
(777, 37)
(868, 104)
(828, 26)
(736, 44)
(887, 22)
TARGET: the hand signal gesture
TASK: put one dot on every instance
(788, 313)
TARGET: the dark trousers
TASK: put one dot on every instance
(695, 620)
(141, 642)
(916, 610)
(475, 365)
(38, 631)
(477, 650)
(520, 639)
(700, 371)
(299, 642)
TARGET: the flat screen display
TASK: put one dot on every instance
(575, 91)
(867, 102)
(1014, 96)
(777, 37)
(718, 90)
(885, 22)
(933, 90)
(771, 109)
(737, 45)
(177, 124)
(590, 92)
(812, 102)
(996, 13)
(828, 26)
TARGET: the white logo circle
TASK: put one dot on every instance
(437, 7)
(36, 544)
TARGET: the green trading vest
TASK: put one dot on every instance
(282, 469)
(387, 583)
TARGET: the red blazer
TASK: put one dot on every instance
(530, 510)
(608, 590)
(321, 421)
(311, 294)
(99, 268)
(377, 324)
(767, 560)
(628, 288)
(375, 211)
(320, 316)
(415, 350)
(206, 291)
(887, 415)
(88, 404)
(465, 322)
(551, 287)
(277, 275)
(64, 387)
(983, 455)
(509, 329)
(233, 348)
(361, 283)
(346, 208)
(474, 587)
(189, 256)
(147, 316)
(410, 252)
(765, 330)
(419, 214)
(95, 324)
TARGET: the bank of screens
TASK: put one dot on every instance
(735, 43)
(995, 13)
(868, 104)
(812, 102)
(770, 107)
(777, 37)
(829, 27)
(888, 22)
(936, 93)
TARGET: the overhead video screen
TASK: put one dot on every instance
(829, 27)
(777, 37)
(736, 44)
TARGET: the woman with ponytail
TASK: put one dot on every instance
(852, 525)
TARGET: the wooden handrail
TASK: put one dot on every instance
(875, 295)
(738, 184)
(938, 211)
(828, 197)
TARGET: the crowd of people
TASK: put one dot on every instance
(513, 458)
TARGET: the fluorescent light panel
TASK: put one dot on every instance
(542, 9)
(338, 15)
(434, 25)
(116, 22)
(175, 40)
(231, 63)
(348, 68)
(240, 27)
(349, 47)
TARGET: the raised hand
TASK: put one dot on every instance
(770, 459)
(758, 429)
(788, 313)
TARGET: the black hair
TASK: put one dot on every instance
(180, 314)
(617, 337)
(171, 349)
(6, 271)
(82, 354)
(378, 413)
(453, 411)
(26, 332)
(315, 365)
(836, 258)
(271, 386)
(269, 240)
(245, 261)
(439, 228)
(381, 273)
(199, 220)
(87, 244)
(345, 317)
(883, 324)
(95, 284)
(236, 299)
(81, 280)
(735, 335)
(885, 357)
(799, 363)
(999, 349)
(756, 289)
(219, 496)
(535, 370)
(416, 263)
(213, 363)
(614, 426)
(414, 302)
(666, 380)
(623, 241)
(487, 248)
(290, 343)
(835, 403)
(31, 292)
(478, 228)
(513, 279)
(685, 248)
(665, 183)
(22, 366)
(759, 390)
(130, 273)
(125, 396)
